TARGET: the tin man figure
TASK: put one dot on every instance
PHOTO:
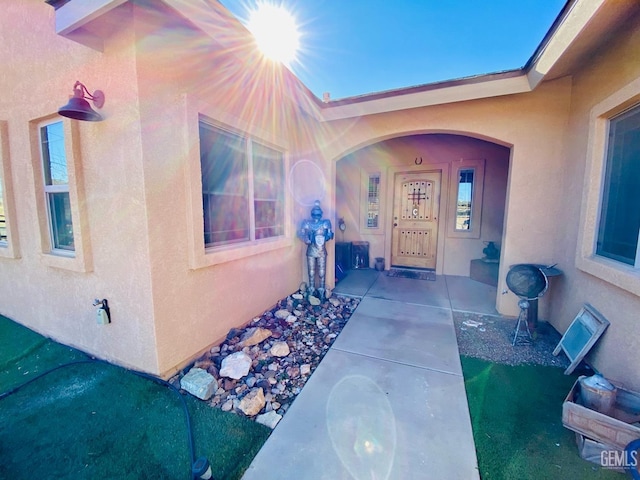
(315, 232)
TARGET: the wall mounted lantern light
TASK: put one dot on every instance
(79, 109)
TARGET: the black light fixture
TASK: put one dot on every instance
(79, 109)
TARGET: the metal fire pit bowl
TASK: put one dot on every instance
(527, 281)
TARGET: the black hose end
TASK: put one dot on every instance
(201, 469)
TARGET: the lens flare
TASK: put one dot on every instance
(275, 31)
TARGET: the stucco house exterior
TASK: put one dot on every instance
(181, 207)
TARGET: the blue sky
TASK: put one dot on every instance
(354, 47)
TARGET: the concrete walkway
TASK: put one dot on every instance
(388, 400)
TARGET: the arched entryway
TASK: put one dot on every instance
(431, 200)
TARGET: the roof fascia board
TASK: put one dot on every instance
(72, 16)
(437, 96)
(574, 22)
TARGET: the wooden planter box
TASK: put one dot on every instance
(616, 430)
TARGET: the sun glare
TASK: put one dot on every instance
(275, 31)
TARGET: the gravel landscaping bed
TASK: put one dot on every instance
(490, 338)
(259, 370)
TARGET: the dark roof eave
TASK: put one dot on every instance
(56, 3)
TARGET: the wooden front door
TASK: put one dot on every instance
(416, 200)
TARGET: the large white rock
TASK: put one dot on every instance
(199, 383)
(235, 366)
(282, 314)
(280, 349)
(270, 419)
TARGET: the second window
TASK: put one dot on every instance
(242, 188)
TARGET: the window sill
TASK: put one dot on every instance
(7, 251)
(65, 262)
(219, 255)
(472, 234)
(616, 273)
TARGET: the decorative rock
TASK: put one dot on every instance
(253, 402)
(264, 384)
(293, 372)
(236, 365)
(212, 370)
(270, 419)
(234, 332)
(307, 330)
(315, 301)
(280, 349)
(199, 383)
(254, 336)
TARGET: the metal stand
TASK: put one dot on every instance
(522, 334)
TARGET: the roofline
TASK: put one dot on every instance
(537, 53)
(572, 19)
(568, 24)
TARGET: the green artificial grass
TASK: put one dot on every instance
(95, 420)
(516, 414)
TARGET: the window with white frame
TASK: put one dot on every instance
(373, 201)
(464, 199)
(467, 179)
(619, 223)
(56, 186)
(242, 187)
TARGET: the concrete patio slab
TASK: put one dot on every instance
(357, 282)
(410, 334)
(467, 295)
(423, 292)
(361, 418)
(387, 401)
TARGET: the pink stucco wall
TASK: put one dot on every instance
(137, 198)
